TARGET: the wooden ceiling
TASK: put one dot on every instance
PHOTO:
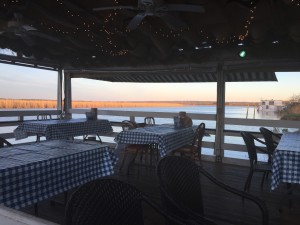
(137, 33)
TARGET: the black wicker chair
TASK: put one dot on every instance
(195, 148)
(4, 143)
(255, 166)
(271, 139)
(112, 202)
(180, 184)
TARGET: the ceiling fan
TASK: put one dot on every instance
(26, 32)
(156, 8)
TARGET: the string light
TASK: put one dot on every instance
(110, 40)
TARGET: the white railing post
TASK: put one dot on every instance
(132, 118)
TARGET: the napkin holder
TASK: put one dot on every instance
(177, 122)
(92, 115)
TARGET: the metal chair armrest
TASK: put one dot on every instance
(198, 218)
(260, 203)
(193, 220)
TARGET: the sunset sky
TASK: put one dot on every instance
(27, 83)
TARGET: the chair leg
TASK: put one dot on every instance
(124, 159)
(248, 181)
(132, 161)
(141, 156)
(267, 175)
(199, 154)
(66, 195)
(151, 156)
(157, 154)
(262, 180)
(36, 209)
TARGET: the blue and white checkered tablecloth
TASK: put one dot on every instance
(63, 129)
(31, 173)
(286, 160)
(166, 136)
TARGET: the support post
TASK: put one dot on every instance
(219, 138)
(68, 94)
(59, 89)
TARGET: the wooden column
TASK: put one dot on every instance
(59, 89)
(219, 139)
(68, 93)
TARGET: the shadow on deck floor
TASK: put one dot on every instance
(226, 207)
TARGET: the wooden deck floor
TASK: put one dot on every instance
(226, 207)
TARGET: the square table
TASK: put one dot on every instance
(62, 129)
(167, 137)
(30, 173)
(286, 160)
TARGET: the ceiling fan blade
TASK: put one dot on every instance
(119, 7)
(42, 35)
(135, 22)
(27, 28)
(184, 8)
(28, 40)
(246, 3)
(172, 21)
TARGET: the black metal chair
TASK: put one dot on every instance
(255, 166)
(112, 202)
(271, 139)
(4, 143)
(149, 121)
(195, 148)
(180, 184)
(44, 116)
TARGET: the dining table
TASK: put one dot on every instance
(166, 136)
(30, 173)
(63, 129)
(286, 160)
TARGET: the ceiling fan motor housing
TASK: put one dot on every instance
(147, 2)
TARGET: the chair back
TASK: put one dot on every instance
(196, 146)
(181, 190)
(105, 201)
(180, 185)
(251, 147)
(149, 121)
(268, 136)
(44, 116)
(200, 131)
(4, 142)
(128, 125)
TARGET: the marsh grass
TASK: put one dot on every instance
(32, 103)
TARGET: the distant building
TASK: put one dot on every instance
(270, 106)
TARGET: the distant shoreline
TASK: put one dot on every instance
(33, 103)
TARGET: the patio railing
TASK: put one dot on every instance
(234, 148)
